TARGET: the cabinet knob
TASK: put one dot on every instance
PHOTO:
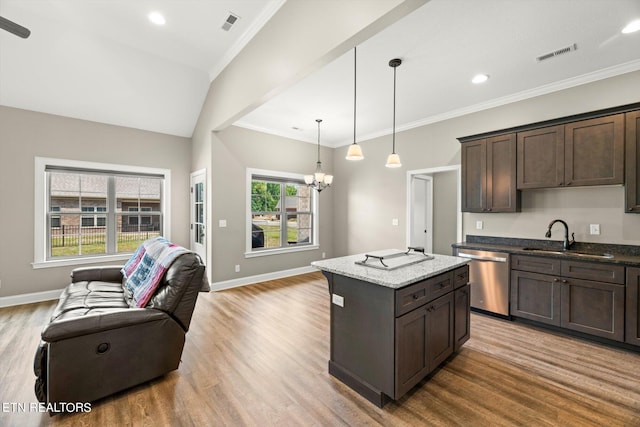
(630, 209)
(565, 281)
(415, 296)
(556, 279)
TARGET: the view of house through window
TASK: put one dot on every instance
(100, 212)
(281, 213)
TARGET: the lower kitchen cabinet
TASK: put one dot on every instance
(424, 339)
(535, 296)
(462, 316)
(595, 308)
(632, 329)
(581, 296)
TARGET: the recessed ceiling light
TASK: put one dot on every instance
(480, 78)
(157, 18)
(631, 27)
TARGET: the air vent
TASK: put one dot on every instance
(231, 19)
(557, 53)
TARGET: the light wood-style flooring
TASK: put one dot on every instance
(257, 356)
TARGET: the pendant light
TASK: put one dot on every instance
(319, 180)
(355, 152)
(393, 161)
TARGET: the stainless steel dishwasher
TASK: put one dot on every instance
(489, 279)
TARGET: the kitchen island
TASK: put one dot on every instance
(392, 327)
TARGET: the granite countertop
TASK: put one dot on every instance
(622, 254)
(396, 278)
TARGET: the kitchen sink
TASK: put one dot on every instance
(573, 253)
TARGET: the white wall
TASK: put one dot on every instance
(25, 135)
(370, 195)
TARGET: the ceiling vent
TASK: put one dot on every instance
(558, 52)
(228, 23)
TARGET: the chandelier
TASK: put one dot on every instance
(319, 180)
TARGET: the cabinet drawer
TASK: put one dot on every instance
(414, 296)
(535, 264)
(611, 273)
(460, 276)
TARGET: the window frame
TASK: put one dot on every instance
(315, 212)
(41, 206)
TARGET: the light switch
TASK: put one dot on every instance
(479, 225)
(337, 300)
(594, 229)
(222, 223)
(394, 221)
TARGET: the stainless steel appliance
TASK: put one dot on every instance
(489, 279)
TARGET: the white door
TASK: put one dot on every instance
(198, 213)
(422, 212)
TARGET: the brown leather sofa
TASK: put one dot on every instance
(96, 344)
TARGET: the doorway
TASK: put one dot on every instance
(434, 216)
(198, 230)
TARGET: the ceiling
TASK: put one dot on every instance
(102, 60)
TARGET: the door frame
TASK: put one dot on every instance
(428, 204)
(203, 251)
(411, 175)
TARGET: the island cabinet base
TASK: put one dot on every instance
(385, 340)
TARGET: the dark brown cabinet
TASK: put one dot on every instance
(594, 151)
(540, 158)
(424, 339)
(632, 162)
(632, 326)
(582, 296)
(489, 175)
(384, 340)
(581, 153)
(462, 316)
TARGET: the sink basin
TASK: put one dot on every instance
(573, 253)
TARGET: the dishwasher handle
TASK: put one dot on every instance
(482, 258)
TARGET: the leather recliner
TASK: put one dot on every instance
(96, 344)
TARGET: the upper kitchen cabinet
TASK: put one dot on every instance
(489, 175)
(541, 158)
(594, 151)
(632, 158)
(580, 153)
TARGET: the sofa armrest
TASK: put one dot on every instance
(94, 323)
(106, 273)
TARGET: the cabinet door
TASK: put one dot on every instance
(632, 330)
(595, 308)
(632, 158)
(594, 151)
(474, 172)
(412, 363)
(502, 195)
(462, 318)
(535, 296)
(541, 158)
(440, 330)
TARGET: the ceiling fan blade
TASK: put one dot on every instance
(14, 28)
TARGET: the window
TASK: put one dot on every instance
(87, 210)
(282, 213)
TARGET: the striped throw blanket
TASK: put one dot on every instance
(145, 269)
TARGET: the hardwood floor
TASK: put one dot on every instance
(258, 356)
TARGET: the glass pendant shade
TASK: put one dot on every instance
(393, 161)
(328, 179)
(355, 152)
(308, 179)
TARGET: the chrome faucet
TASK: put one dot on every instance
(566, 244)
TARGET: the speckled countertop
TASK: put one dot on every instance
(628, 255)
(395, 279)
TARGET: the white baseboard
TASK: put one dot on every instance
(30, 298)
(234, 283)
(216, 286)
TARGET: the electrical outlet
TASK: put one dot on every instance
(324, 255)
(337, 300)
(222, 223)
(237, 268)
(594, 229)
(479, 225)
(0, 283)
(394, 221)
